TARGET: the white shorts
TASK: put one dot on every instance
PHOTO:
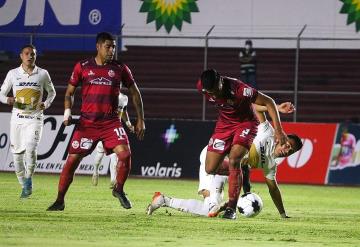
(204, 179)
(25, 134)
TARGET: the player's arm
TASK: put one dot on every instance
(51, 93)
(124, 116)
(267, 101)
(137, 101)
(5, 89)
(276, 196)
(285, 107)
(68, 103)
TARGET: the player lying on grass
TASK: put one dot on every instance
(100, 151)
(263, 154)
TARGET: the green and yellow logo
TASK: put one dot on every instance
(352, 8)
(169, 13)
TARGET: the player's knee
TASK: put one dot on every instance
(210, 170)
(124, 155)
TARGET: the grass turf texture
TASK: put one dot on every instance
(321, 216)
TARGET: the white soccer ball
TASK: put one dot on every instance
(249, 204)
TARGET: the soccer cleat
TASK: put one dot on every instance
(124, 201)
(27, 189)
(158, 201)
(215, 209)
(24, 194)
(229, 214)
(56, 206)
(95, 179)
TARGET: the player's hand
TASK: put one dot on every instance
(286, 107)
(41, 106)
(68, 121)
(140, 129)
(11, 100)
(281, 137)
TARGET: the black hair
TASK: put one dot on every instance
(209, 79)
(297, 140)
(27, 46)
(248, 42)
(103, 36)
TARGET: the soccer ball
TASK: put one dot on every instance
(250, 204)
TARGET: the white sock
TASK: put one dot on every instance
(98, 158)
(189, 206)
(31, 158)
(19, 168)
(113, 164)
(217, 189)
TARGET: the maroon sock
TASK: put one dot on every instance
(235, 182)
(66, 176)
(123, 169)
(224, 168)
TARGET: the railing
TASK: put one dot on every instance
(206, 38)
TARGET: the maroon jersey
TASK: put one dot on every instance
(238, 108)
(100, 88)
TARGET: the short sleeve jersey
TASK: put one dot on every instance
(28, 90)
(238, 108)
(100, 89)
(261, 154)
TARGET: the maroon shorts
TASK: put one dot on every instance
(85, 138)
(227, 135)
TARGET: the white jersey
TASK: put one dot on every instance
(123, 101)
(261, 154)
(28, 92)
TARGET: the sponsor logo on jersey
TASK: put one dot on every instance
(75, 144)
(111, 73)
(219, 144)
(86, 143)
(91, 73)
(158, 171)
(28, 84)
(247, 92)
(101, 81)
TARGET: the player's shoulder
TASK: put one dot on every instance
(85, 62)
(119, 63)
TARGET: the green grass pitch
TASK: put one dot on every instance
(321, 216)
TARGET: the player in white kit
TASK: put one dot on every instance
(100, 152)
(263, 154)
(27, 83)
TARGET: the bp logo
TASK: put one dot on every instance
(352, 8)
(168, 13)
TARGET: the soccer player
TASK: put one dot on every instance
(101, 79)
(100, 151)
(263, 155)
(27, 83)
(235, 128)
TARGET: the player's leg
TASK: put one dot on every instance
(246, 178)
(123, 168)
(216, 197)
(33, 136)
(100, 152)
(113, 173)
(18, 149)
(192, 206)
(77, 150)
(66, 178)
(235, 179)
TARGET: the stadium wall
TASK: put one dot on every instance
(171, 149)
